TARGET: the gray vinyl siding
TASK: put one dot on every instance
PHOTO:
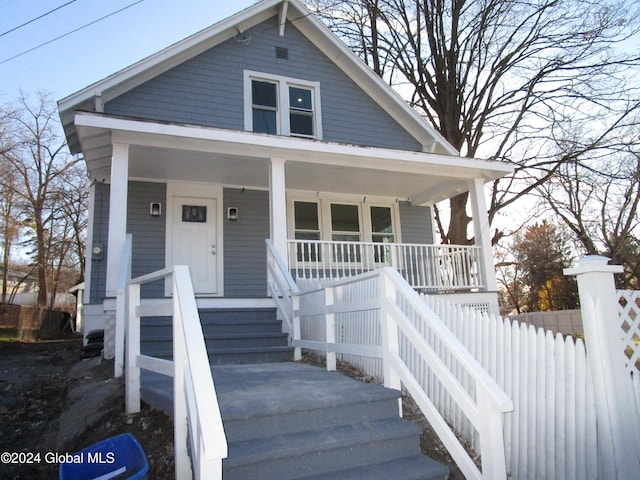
(149, 233)
(245, 258)
(416, 224)
(208, 90)
(100, 238)
(148, 236)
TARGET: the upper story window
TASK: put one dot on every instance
(282, 106)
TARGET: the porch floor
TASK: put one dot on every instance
(292, 420)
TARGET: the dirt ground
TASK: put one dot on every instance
(35, 379)
(35, 382)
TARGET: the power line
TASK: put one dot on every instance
(69, 33)
(37, 18)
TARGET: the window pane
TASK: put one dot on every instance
(264, 94)
(337, 237)
(381, 220)
(344, 218)
(300, 98)
(265, 121)
(301, 124)
(306, 216)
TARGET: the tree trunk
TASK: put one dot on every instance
(459, 220)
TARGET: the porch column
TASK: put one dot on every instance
(278, 208)
(482, 233)
(117, 214)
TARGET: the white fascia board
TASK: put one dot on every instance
(157, 63)
(189, 137)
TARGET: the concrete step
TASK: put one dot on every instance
(292, 421)
(417, 467)
(322, 452)
(295, 421)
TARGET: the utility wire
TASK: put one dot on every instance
(69, 33)
(37, 18)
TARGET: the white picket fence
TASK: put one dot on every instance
(552, 431)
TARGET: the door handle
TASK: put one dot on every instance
(213, 249)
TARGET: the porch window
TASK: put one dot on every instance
(282, 106)
(381, 232)
(307, 227)
(345, 227)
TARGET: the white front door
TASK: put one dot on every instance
(193, 240)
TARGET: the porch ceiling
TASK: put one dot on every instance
(199, 154)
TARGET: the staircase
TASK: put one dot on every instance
(232, 335)
(286, 420)
(302, 422)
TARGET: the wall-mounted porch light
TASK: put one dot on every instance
(155, 209)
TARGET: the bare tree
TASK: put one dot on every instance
(598, 199)
(10, 222)
(39, 159)
(499, 78)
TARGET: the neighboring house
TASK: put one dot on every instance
(22, 288)
(266, 126)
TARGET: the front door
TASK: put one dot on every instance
(194, 240)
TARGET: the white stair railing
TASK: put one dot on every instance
(283, 290)
(393, 323)
(196, 414)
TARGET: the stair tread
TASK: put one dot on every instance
(301, 443)
(220, 336)
(417, 467)
(230, 350)
(254, 390)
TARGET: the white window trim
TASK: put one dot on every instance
(324, 210)
(283, 83)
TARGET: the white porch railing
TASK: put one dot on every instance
(196, 414)
(424, 267)
(379, 315)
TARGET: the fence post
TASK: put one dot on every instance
(618, 456)
(330, 326)
(132, 370)
(389, 330)
(295, 325)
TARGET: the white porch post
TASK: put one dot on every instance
(278, 208)
(117, 214)
(618, 455)
(482, 233)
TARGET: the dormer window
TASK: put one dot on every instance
(282, 106)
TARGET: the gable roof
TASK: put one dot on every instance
(94, 96)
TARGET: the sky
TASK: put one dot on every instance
(90, 54)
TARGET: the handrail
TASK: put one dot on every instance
(484, 411)
(197, 417)
(283, 290)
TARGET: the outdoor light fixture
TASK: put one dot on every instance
(155, 209)
(232, 213)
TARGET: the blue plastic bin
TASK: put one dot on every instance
(120, 457)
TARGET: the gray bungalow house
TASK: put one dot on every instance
(265, 126)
